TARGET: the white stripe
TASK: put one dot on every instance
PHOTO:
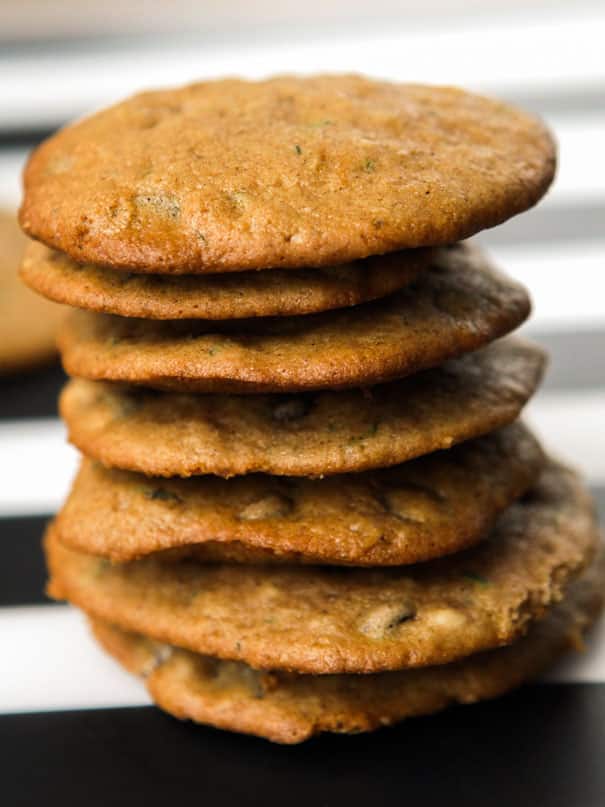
(580, 140)
(11, 165)
(566, 282)
(50, 662)
(570, 425)
(38, 465)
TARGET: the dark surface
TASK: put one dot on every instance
(540, 747)
(22, 570)
(15, 138)
(32, 394)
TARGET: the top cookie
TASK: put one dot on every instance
(289, 172)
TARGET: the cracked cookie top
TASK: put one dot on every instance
(288, 172)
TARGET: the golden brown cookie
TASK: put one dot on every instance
(457, 305)
(331, 620)
(314, 434)
(425, 508)
(28, 324)
(289, 708)
(226, 296)
(287, 172)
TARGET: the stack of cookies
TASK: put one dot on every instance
(305, 502)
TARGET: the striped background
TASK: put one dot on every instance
(76, 730)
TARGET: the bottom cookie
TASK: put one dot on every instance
(290, 708)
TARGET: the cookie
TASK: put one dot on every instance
(28, 324)
(290, 708)
(458, 304)
(332, 620)
(288, 172)
(315, 434)
(226, 296)
(425, 508)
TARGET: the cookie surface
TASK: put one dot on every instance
(231, 175)
(425, 508)
(225, 296)
(457, 305)
(28, 324)
(166, 434)
(290, 708)
(331, 620)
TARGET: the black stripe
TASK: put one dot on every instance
(22, 571)
(25, 137)
(23, 574)
(31, 394)
(540, 746)
(577, 359)
(550, 224)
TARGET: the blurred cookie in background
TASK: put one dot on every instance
(28, 323)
